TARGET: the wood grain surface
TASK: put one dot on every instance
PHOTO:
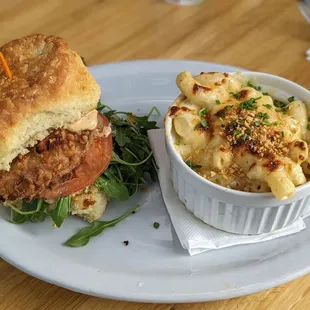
(269, 36)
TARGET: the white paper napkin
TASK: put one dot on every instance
(195, 235)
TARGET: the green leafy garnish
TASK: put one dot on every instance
(101, 106)
(202, 112)
(249, 104)
(218, 181)
(228, 107)
(217, 101)
(263, 116)
(250, 84)
(34, 211)
(265, 94)
(256, 123)
(244, 137)
(237, 132)
(132, 155)
(190, 164)
(282, 133)
(291, 99)
(62, 210)
(37, 211)
(278, 103)
(204, 124)
(154, 109)
(280, 106)
(267, 106)
(112, 187)
(96, 228)
(156, 225)
(236, 95)
(233, 125)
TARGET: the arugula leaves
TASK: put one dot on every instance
(132, 155)
(96, 228)
(112, 187)
(62, 210)
(37, 211)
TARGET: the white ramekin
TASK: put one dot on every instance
(231, 210)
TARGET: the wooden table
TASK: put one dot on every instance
(268, 36)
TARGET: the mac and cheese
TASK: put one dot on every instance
(232, 133)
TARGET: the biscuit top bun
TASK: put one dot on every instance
(50, 88)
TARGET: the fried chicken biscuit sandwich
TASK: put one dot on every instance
(53, 143)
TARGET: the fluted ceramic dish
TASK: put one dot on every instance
(231, 210)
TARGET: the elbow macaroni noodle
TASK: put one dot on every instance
(232, 133)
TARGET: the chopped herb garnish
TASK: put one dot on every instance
(265, 94)
(308, 126)
(233, 125)
(280, 105)
(250, 84)
(291, 99)
(156, 225)
(241, 121)
(218, 181)
(267, 106)
(236, 95)
(249, 104)
(244, 137)
(204, 124)
(202, 112)
(285, 109)
(256, 123)
(263, 116)
(237, 132)
(190, 164)
(282, 133)
(217, 101)
(248, 131)
(228, 107)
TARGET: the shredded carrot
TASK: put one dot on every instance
(5, 66)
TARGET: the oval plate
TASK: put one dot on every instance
(153, 267)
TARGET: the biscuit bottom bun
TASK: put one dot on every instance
(53, 143)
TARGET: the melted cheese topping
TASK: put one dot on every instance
(240, 137)
(87, 122)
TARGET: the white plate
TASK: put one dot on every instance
(153, 267)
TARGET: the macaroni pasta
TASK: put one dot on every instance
(232, 133)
